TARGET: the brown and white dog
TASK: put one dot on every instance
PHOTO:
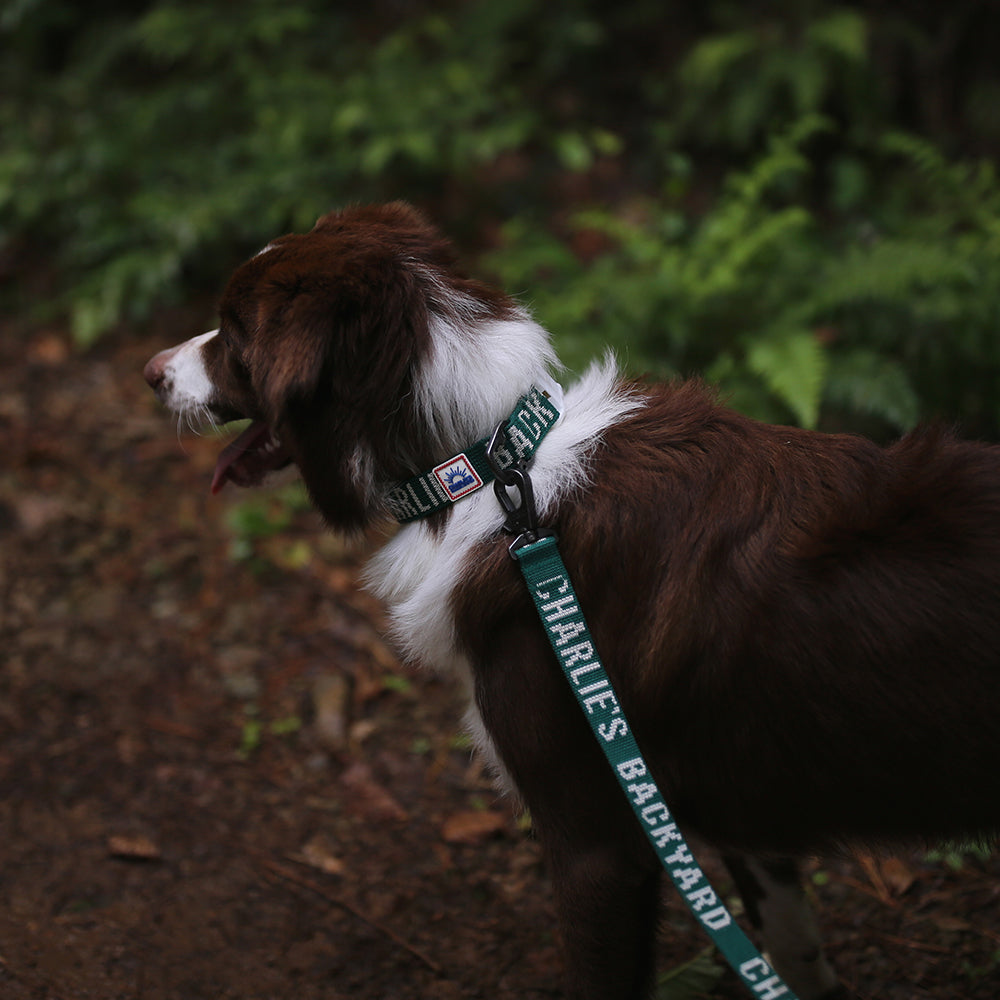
(803, 629)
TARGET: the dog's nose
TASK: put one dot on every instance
(153, 372)
(156, 368)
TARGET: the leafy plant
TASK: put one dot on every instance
(956, 856)
(262, 516)
(728, 192)
(801, 61)
(254, 729)
(866, 320)
(161, 139)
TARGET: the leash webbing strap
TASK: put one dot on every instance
(469, 471)
(557, 605)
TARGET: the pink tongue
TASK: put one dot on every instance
(241, 461)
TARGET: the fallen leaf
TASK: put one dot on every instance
(874, 868)
(898, 875)
(49, 348)
(888, 877)
(362, 730)
(133, 847)
(472, 826)
(331, 696)
(318, 853)
(36, 511)
(369, 797)
(951, 924)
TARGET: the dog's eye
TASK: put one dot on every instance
(230, 344)
(223, 351)
(231, 354)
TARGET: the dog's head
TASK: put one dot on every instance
(359, 352)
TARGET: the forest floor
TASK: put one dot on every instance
(217, 781)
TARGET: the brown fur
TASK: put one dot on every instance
(802, 627)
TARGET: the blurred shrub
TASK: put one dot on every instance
(865, 320)
(139, 144)
(787, 199)
(798, 65)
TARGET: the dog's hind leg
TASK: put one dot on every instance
(782, 916)
(608, 918)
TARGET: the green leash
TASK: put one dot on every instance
(536, 552)
(557, 606)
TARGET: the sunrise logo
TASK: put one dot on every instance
(457, 477)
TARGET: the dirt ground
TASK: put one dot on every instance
(216, 781)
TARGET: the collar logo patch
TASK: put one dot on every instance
(458, 477)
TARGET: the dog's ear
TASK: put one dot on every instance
(347, 337)
(288, 355)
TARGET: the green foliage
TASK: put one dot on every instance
(461, 741)
(397, 683)
(264, 515)
(254, 729)
(957, 855)
(251, 734)
(185, 133)
(798, 63)
(766, 197)
(867, 320)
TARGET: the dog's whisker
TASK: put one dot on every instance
(196, 419)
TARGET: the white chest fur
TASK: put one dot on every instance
(415, 573)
